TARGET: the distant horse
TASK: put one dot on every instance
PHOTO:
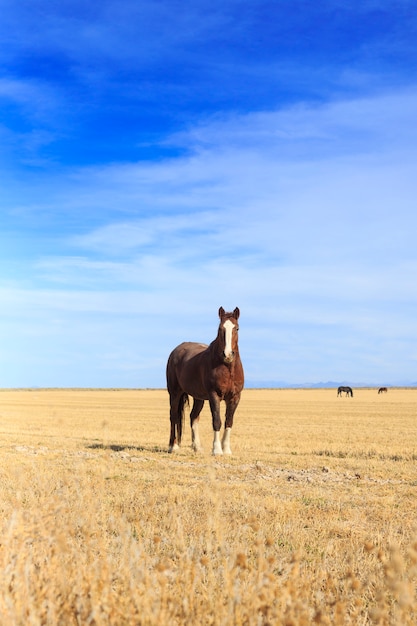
(347, 390)
(212, 373)
(382, 390)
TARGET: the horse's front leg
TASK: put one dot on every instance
(231, 406)
(195, 420)
(217, 423)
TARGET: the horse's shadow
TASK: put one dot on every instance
(115, 447)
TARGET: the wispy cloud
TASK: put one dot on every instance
(245, 202)
(245, 198)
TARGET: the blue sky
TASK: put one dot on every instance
(161, 159)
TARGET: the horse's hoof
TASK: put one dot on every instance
(173, 448)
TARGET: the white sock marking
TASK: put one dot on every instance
(226, 441)
(217, 446)
(196, 444)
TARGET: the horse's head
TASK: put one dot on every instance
(228, 335)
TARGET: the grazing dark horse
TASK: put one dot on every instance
(212, 373)
(347, 390)
(382, 390)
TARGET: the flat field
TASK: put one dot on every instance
(312, 520)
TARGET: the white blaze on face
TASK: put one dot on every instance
(228, 327)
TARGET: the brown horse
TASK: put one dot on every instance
(382, 390)
(347, 390)
(212, 373)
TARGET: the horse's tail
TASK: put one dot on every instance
(183, 402)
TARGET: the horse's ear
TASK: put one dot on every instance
(236, 313)
(221, 312)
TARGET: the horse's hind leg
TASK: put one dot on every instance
(173, 416)
(194, 421)
(176, 402)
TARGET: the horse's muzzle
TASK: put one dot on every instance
(228, 358)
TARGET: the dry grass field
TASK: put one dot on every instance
(311, 521)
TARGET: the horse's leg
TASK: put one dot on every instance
(173, 445)
(231, 406)
(217, 422)
(226, 440)
(175, 394)
(195, 420)
(175, 416)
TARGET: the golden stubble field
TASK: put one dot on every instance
(312, 520)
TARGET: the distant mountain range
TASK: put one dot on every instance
(330, 384)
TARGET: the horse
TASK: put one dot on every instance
(347, 390)
(382, 390)
(206, 372)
